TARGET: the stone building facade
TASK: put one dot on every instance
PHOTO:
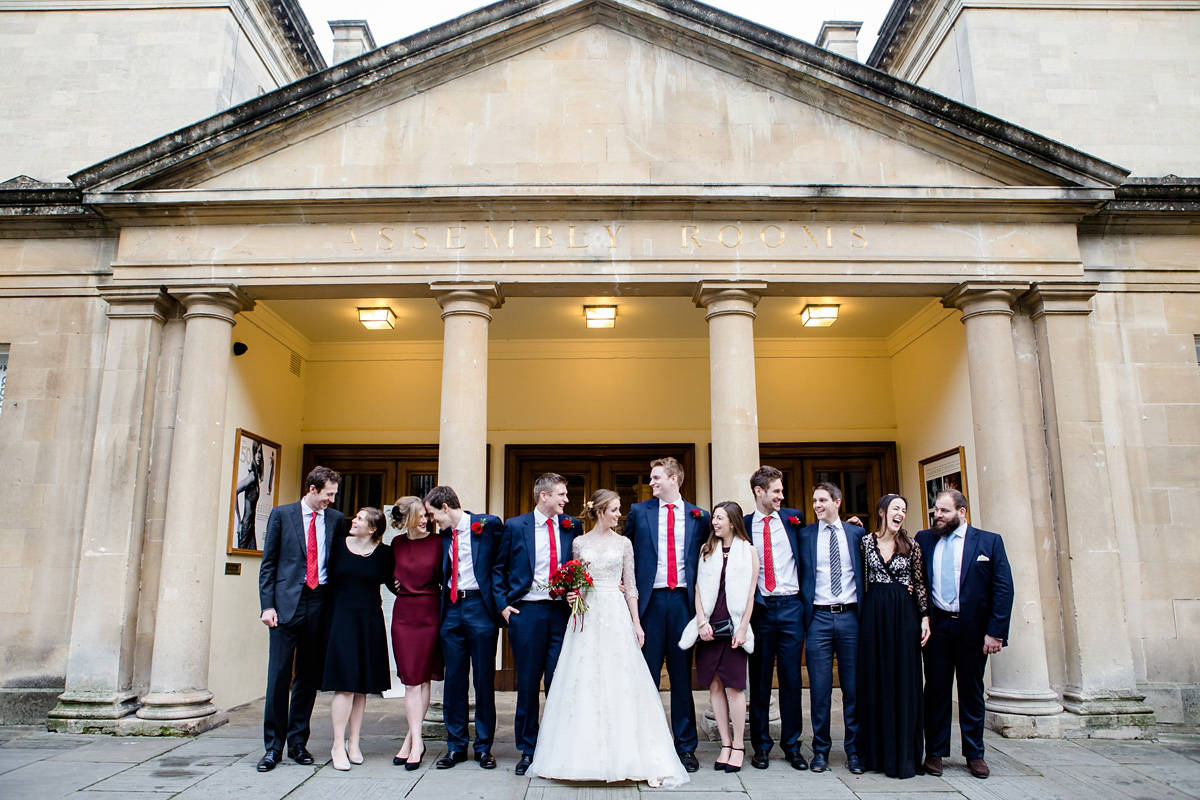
(991, 202)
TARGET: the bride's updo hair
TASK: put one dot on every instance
(600, 500)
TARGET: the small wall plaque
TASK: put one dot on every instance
(232, 568)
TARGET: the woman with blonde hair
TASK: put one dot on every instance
(725, 582)
(417, 581)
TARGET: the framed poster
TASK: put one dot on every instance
(255, 489)
(944, 471)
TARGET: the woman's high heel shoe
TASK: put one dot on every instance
(353, 760)
(721, 766)
(414, 765)
(731, 767)
(333, 755)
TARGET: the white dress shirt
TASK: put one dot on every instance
(541, 557)
(786, 580)
(466, 565)
(660, 576)
(306, 515)
(823, 596)
(955, 540)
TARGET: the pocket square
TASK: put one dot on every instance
(982, 557)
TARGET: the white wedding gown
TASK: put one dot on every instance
(604, 720)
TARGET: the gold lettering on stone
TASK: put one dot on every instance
(571, 236)
(763, 235)
(612, 236)
(829, 237)
(453, 232)
(417, 232)
(684, 236)
(487, 233)
(862, 237)
(353, 239)
(384, 239)
(537, 237)
(721, 236)
(809, 235)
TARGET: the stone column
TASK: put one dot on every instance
(1020, 701)
(104, 623)
(179, 698)
(733, 395)
(462, 441)
(1101, 683)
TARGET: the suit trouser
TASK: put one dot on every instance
(536, 637)
(953, 652)
(667, 614)
(830, 634)
(299, 643)
(469, 643)
(778, 624)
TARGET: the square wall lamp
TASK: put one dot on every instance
(818, 316)
(377, 319)
(600, 316)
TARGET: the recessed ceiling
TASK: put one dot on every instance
(336, 320)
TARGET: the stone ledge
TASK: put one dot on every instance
(26, 706)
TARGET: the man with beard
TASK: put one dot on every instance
(971, 583)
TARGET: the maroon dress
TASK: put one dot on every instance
(418, 569)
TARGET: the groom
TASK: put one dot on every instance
(667, 533)
(533, 546)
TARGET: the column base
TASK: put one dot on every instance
(1113, 716)
(91, 710)
(1025, 726)
(1023, 713)
(182, 707)
(709, 730)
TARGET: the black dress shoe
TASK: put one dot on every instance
(269, 760)
(523, 764)
(855, 765)
(820, 762)
(451, 758)
(486, 759)
(300, 755)
(688, 759)
(797, 759)
(761, 759)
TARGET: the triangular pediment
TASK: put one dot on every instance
(598, 92)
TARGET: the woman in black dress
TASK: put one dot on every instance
(356, 661)
(894, 627)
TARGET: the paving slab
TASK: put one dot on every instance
(120, 750)
(1021, 788)
(241, 781)
(45, 782)
(92, 794)
(870, 783)
(167, 773)
(1112, 783)
(1051, 753)
(350, 789)
(548, 790)
(17, 758)
(1134, 752)
(1183, 778)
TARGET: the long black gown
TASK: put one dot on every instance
(890, 715)
(356, 659)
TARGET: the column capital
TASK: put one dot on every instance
(467, 298)
(137, 302)
(219, 301)
(1060, 298)
(975, 298)
(734, 297)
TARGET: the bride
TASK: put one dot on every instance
(604, 719)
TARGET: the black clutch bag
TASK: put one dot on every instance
(722, 629)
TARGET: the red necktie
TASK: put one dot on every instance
(454, 567)
(768, 555)
(311, 581)
(672, 569)
(553, 547)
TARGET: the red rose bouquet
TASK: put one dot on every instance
(570, 577)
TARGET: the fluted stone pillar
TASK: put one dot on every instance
(1101, 692)
(1020, 701)
(99, 690)
(179, 699)
(733, 395)
(462, 440)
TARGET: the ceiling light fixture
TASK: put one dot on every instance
(818, 316)
(377, 319)
(600, 316)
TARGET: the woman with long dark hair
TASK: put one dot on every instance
(894, 626)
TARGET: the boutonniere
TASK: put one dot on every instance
(697, 514)
(477, 528)
(567, 524)
(793, 520)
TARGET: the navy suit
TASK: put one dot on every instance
(830, 634)
(778, 623)
(536, 633)
(955, 646)
(299, 639)
(469, 629)
(664, 613)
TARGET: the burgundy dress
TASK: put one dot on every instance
(418, 569)
(718, 657)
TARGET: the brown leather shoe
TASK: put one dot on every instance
(978, 767)
(933, 766)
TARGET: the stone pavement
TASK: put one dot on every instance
(220, 764)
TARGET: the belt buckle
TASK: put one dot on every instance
(837, 608)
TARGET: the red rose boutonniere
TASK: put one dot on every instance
(476, 528)
(794, 520)
(567, 524)
(697, 513)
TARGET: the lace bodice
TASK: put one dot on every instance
(609, 558)
(907, 570)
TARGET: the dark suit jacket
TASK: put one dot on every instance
(793, 534)
(642, 527)
(852, 535)
(985, 587)
(483, 558)
(285, 557)
(512, 576)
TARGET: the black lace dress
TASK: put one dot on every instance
(890, 719)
